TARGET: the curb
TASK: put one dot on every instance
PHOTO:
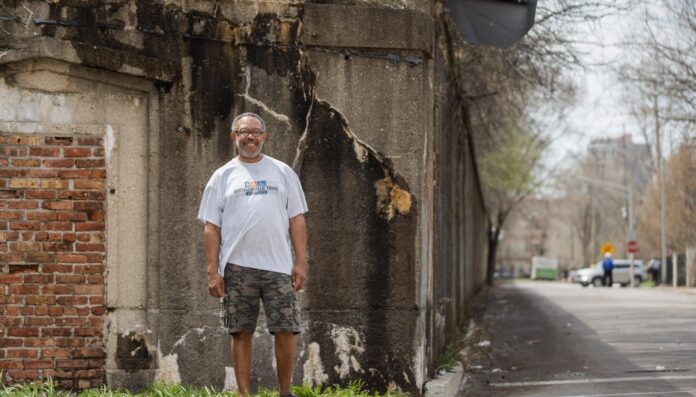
(447, 384)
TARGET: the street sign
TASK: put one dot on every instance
(496, 23)
(632, 246)
(607, 247)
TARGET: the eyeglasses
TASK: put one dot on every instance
(244, 133)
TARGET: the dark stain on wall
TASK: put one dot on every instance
(132, 353)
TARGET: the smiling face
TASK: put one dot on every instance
(244, 136)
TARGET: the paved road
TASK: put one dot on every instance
(556, 339)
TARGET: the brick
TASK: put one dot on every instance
(38, 278)
(11, 278)
(87, 205)
(39, 342)
(53, 184)
(77, 152)
(57, 205)
(11, 322)
(41, 310)
(71, 363)
(70, 258)
(96, 300)
(55, 289)
(73, 174)
(24, 205)
(62, 163)
(33, 225)
(89, 163)
(94, 184)
(24, 289)
(96, 195)
(73, 195)
(25, 247)
(12, 173)
(11, 214)
(22, 332)
(87, 289)
(72, 216)
(41, 257)
(10, 194)
(89, 141)
(98, 152)
(57, 247)
(56, 268)
(55, 311)
(95, 279)
(72, 342)
(12, 257)
(89, 269)
(22, 353)
(39, 321)
(68, 237)
(59, 140)
(26, 162)
(45, 332)
(72, 300)
(87, 332)
(97, 173)
(23, 268)
(20, 140)
(44, 152)
(95, 258)
(58, 374)
(38, 364)
(83, 311)
(64, 226)
(70, 321)
(41, 194)
(98, 311)
(96, 216)
(42, 173)
(40, 300)
(70, 279)
(27, 236)
(89, 226)
(20, 183)
(11, 364)
(89, 247)
(22, 374)
(13, 151)
(11, 342)
(11, 236)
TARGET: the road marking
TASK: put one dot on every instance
(642, 393)
(595, 380)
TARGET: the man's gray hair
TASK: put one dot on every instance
(248, 114)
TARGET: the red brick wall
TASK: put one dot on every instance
(52, 258)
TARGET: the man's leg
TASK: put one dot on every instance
(285, 355)
(241, 359)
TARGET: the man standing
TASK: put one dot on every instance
(253, 210)
(608, 265)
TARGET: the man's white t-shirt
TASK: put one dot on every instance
(252, 204)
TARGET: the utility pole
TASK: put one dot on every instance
(661, 186)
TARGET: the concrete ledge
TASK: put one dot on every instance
(447, 384)
(367, 28)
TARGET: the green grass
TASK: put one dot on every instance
(449, 359)
(47, 389)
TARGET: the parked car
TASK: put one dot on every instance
(621, 275)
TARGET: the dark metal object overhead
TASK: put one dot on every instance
(498, 23)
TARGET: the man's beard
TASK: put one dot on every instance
(249, 155)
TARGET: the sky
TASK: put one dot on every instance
(599, 111)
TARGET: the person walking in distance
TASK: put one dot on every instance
(608, 265)
(253, 209)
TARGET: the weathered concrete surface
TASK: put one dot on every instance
(367, 117)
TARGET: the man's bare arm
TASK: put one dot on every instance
(298, 236)
(211, 245)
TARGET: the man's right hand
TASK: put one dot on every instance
(216, 285)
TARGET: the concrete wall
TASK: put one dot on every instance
(358, 98)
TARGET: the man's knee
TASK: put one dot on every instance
(242, 336)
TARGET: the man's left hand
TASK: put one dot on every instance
(299, 275)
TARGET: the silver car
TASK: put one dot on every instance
(621, 275)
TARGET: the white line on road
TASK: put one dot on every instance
(642, 393)
(595, 380)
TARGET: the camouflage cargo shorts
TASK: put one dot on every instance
(246, 287)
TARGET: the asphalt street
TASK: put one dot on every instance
(559, 339)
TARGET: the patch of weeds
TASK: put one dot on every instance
(449, 358)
